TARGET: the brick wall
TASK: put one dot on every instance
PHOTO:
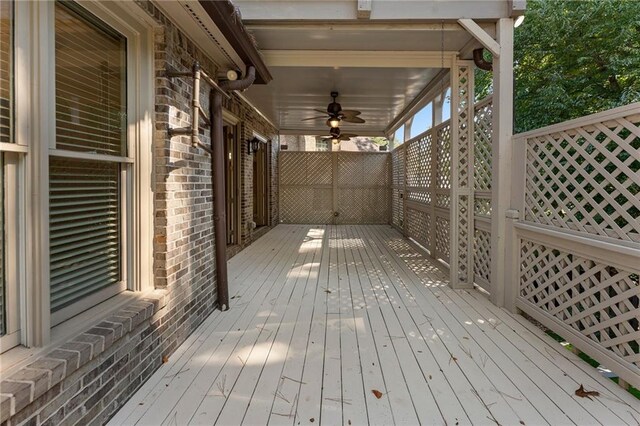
(88, 378)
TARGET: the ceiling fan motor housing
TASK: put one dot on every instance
(334, 107)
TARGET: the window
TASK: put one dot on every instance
(75, 117)
(86, 194)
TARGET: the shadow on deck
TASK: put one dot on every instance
(354, 325)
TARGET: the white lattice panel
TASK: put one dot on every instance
(357, 169)
(594, 299)
(442, 237)
(305, 168)
(482, 206)
(397, 162)
(418, 173)
(482, 258)
(362, 206)
(307, 187)
(483, 132)
(397, 185)
(587, 178)
(306, 205)
(397, 208)
(418, 225)
(443, 156)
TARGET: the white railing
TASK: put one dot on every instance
(421, 190)
(576, 238)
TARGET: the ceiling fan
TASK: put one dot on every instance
(337, 136)
(336, 114)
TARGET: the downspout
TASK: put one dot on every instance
(218, 178)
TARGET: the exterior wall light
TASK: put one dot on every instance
(253, 145)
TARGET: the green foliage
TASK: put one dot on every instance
(380, 141)
(573, 58)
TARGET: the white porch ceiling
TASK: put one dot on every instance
(377, 66)
(380, 93)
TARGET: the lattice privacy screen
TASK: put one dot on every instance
(334, 187)
(594, 299)
(587, 178)
(483, 131)
(580, 248)
(397, 187)
(421, 190)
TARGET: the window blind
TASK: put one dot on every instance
(84, 228)
(90, 84)
(6, 70)
(84, 195)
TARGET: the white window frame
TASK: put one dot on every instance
(34, 124)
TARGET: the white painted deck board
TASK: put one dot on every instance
(322, 315)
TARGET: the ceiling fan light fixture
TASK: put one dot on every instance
(334, 122)
(335, 141)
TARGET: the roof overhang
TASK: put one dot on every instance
(212, 27)
(229, 22)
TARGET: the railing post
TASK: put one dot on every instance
(501, 158)
(513, 216)
(461, 200)
(433, 187)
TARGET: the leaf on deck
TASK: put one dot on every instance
(377, 393)
(582, 393)
(165, 359)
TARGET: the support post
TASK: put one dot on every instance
(461, 200)
(501, 157)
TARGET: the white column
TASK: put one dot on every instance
(461, 200)
(501, 155)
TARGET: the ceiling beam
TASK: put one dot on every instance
(342, 10)
(363, 9)
(481, 35)
(358, 58)
(356, 26)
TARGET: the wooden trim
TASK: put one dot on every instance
(89, 156)
(13, 147)
(481, 35)
(583, 121)
(628, 371)
(607, 253)
(357, 58)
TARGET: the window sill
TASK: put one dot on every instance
(18, 357)
(74, 346)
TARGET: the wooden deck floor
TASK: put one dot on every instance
(323, 315)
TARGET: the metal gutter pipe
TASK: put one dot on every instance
(218, 183)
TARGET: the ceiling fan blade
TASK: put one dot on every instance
(349, 112)
(312, 118)
(321, 111)
(353, 120)
(348, 135)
